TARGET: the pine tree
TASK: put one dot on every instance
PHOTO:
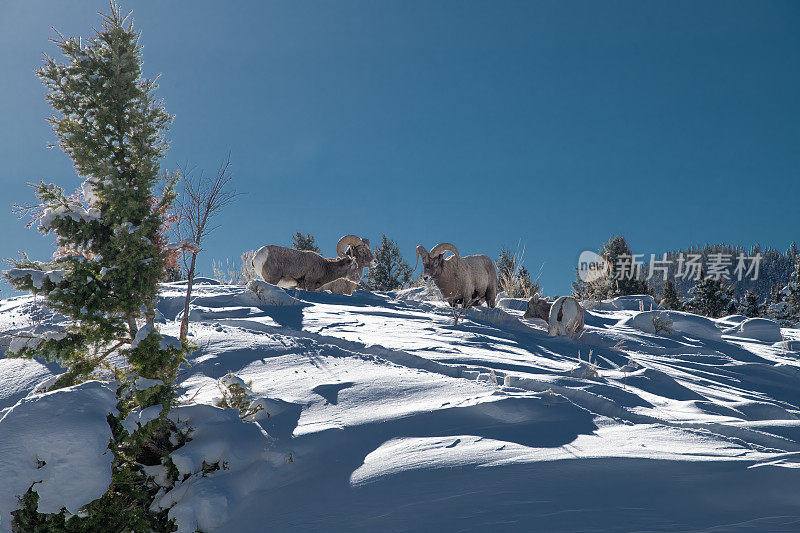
(710, 297)
(506, 264)
(391, 273)
(305, 241)
(613, 252)
(104, 275)
(670, 299)
(617, 282)
(751, 305)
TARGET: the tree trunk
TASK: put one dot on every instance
(189, 282)
(132, 326)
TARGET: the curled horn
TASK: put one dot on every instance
(441, 247)
(344, 242)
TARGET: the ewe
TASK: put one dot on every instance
(563, 317)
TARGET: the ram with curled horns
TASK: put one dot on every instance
(469, 280)
(289, 268)
(364, 257)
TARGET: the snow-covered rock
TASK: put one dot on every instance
(266, 294)
(517, 304)
(680, 323)
(760, 329)
(56, 442)
(637, 302)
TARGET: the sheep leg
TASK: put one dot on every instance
(457, 314)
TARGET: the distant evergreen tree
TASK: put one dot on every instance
(618, 282)
(301, 241)
(670, 298)
(786, 308)
(613, 251)
(751, 305)
(391, 272)
(710, 297)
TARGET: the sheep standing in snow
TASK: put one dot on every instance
(469, 280)
(563, 317)
(289, 268)
(364, 257)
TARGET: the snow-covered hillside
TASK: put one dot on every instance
(383, 416)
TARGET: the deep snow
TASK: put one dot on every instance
(385, 416)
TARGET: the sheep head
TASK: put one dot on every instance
(433, 261)
(351, 264)
(361, 250)
(538, 308)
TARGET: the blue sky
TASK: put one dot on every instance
(548, 125)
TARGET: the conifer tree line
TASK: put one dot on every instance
(705, 295)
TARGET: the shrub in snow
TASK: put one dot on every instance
(513, 278)
(662, 324)
(236, 394)
(232, 274)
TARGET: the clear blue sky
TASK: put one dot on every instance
(551, 124)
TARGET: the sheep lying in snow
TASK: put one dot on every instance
(364, 258)
(469, 280)
(289, 268)
(563, 317)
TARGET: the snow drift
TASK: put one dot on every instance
(379, 414)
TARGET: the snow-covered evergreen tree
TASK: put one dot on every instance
(624, 277)
(751, 305)
(710, 297)
(110, 256)
(670, 299)
(391, 272)
(786, 307)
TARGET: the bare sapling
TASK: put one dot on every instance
(202, 198)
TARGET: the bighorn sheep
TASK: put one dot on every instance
(469, 280)
(563, 317)
(364, 258)
(289, 268)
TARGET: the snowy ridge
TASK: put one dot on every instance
(378, 413)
